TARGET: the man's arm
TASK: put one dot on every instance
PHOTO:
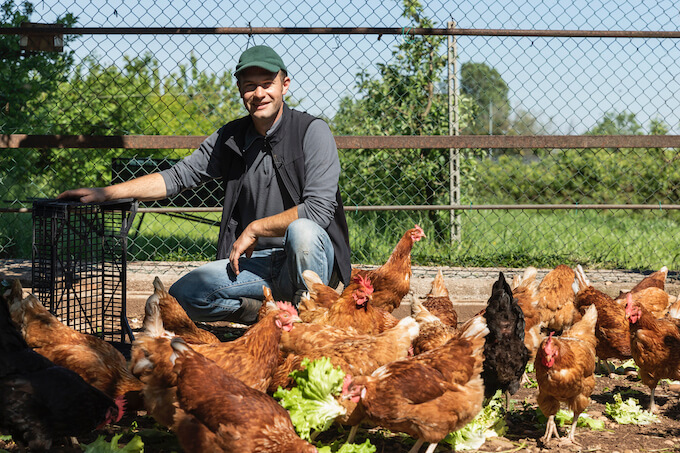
(198, 167)
(145, 188)
(273, 226)
(322, 172)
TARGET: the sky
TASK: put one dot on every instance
(569, 83)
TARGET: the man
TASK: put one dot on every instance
(282, 209)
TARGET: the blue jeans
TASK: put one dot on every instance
(213, 292)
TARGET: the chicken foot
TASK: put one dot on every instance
(550, 430)
(431, 447)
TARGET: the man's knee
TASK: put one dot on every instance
(304, 234)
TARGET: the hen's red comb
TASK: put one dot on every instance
(548, 344)
(418, 234)
(120, 402)
(365, 283)
(287, 306)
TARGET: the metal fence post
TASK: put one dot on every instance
(454, 129)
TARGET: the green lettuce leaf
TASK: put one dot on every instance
(565, 417)
(490, 422)
(310, 403)
(102, 446)
(629, 412)
(530, 368)
(366, 447)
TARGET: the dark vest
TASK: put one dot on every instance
(286, 148)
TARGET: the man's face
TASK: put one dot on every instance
(262, 93)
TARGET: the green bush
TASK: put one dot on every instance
(588, 176)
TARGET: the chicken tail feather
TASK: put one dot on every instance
(581, 281)
(585, 328)
(474, 328)
(158, 285)
(179, 347)
(438, 286)
(153, 321)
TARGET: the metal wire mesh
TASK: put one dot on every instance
(79, 264)
(367, 83)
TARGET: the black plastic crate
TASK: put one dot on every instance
(79, 265)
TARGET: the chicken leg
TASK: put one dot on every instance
(652, 406)
(570, 437)
(416, 446)
(431, 447)
(352, 433)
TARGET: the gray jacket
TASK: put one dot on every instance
(306, 170)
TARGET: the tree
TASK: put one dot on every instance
(489, 92)
(27, 80)
(525, 122)
(401, 99)
(106, 100)
(133, 100)
(613, 123)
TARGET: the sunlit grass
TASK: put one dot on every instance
(643, 240)
(607, 240)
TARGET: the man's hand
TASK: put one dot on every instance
(245, 243)
(85, 195)
(272, 226)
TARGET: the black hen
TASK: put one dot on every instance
(40, 401)
(505, 355)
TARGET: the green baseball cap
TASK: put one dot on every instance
(262, 57)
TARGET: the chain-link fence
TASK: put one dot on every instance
(567, 116)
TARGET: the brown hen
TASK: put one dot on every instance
(429, 395)
(96, 361)
(612, 332)
(556, 299)
(176, 320)
(564, 371)
(654, 299)
(353, 308)
(392, 280)
(654, 344)
(41, 401)
(150, 362)
(217, 412)
(254, 357)
(433, 332)
(357, 354)
(438, 302)
(654, 280)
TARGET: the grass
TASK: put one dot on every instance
(160, 237)
(643, 240)
(607, 240)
